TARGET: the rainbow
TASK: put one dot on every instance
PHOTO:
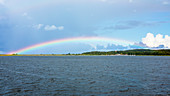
(74, 39)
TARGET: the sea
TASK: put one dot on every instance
(85, 76)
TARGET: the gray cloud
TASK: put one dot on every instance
(133, 24)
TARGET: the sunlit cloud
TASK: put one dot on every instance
(157, 41)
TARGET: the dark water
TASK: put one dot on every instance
(85, 75)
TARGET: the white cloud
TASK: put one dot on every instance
(39, 26)
(53, 27)
(48, 27)
(60, 27)
(152, 41)
(2, 2)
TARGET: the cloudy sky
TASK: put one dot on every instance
(27, 22)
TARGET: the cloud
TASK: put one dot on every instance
(48, 27)
(60, 27)
(134, 24)
(53, 27)
(39, 26)
(124, 25)
(93, 46)
(108, 47)
(140, 44)
(157, 41)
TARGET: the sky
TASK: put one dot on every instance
(25, 23)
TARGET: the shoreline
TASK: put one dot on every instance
(73, 55)
(134, 52)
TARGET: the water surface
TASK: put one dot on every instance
(85, 75)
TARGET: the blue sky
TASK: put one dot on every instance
(28, 22)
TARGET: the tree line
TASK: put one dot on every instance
(131, 52)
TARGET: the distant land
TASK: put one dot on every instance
(134, 52)
(161, 52)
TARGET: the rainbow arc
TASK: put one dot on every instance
(75, 39)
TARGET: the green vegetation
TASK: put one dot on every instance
(146, 52)
(132, 52)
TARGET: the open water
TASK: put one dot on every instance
(85, 75)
